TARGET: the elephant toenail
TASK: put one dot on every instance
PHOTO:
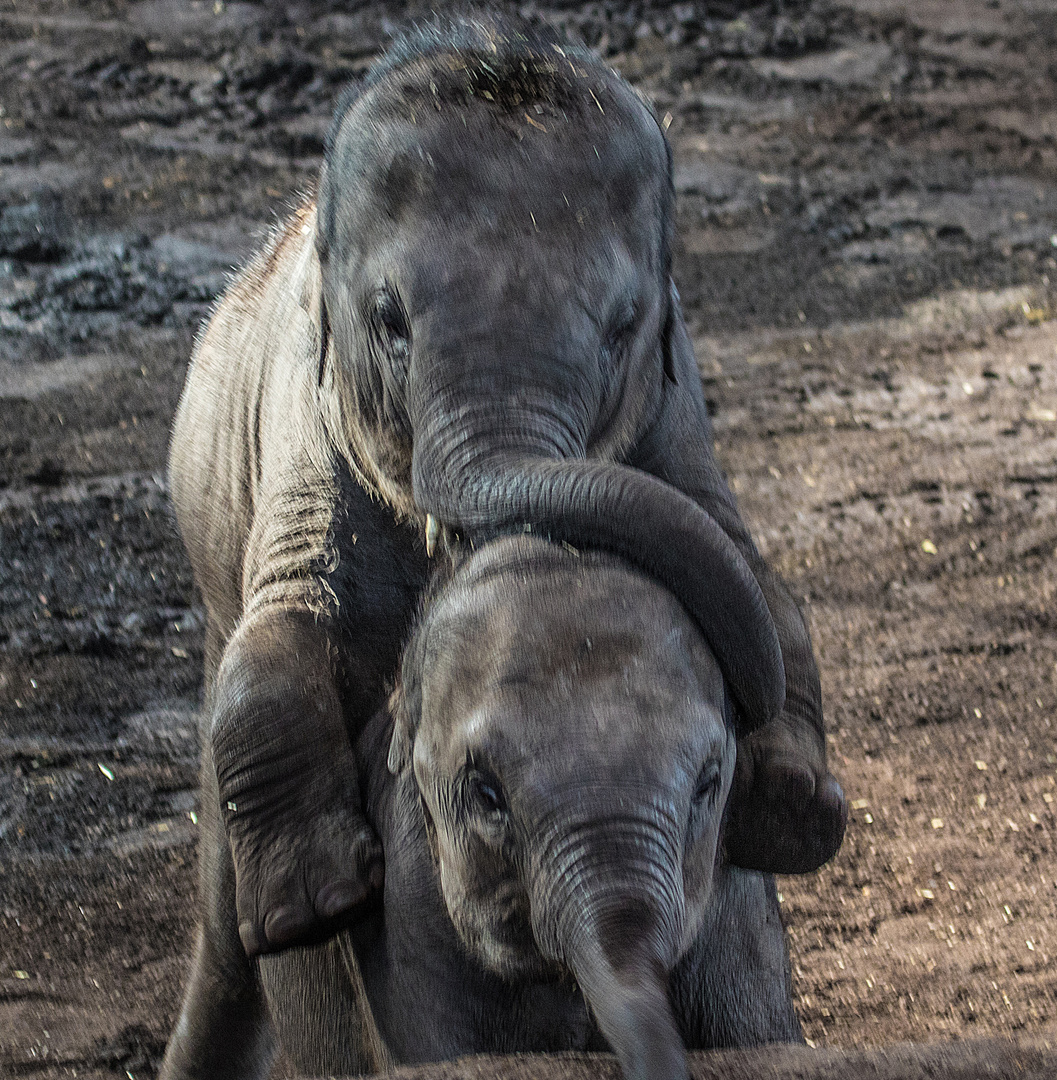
(253, 941)
(284, 925)
(337, 897)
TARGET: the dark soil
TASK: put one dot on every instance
(867, 233)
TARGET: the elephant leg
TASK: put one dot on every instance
(787, 813)
(214, 653)
(733, 987)
(304, 856)
(222, 1032)
(318, 1005)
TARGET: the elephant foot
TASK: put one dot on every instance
(299, 878)
(305, 859)
(787, 813)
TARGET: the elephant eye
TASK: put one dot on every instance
(486, 793)
(621, 330)
(621, 327)
(707, 782)
(390, 320)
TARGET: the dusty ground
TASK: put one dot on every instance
(868, 226)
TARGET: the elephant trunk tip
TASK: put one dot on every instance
(631, 1007)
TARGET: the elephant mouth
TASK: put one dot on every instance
(503, 940)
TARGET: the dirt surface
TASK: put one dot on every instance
(867, 232)
(969, 1060)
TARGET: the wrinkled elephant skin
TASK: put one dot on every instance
(474, 332)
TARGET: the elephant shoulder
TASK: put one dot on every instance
(247, 405)
(267, 325)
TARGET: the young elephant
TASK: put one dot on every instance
(558, 765)
(475, 327)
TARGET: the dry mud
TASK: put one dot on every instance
(867, 242)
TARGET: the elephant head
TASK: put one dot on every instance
(494, 233)
(571, 738)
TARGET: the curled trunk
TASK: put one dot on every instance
(619, 509)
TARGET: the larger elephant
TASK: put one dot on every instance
(472, 329)
(549, 784)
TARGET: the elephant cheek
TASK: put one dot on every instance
(489, 910)
(704, 850)
(698, 875)
(453, 883)
(463, 906)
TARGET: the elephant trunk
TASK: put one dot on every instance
(630, 1005)
(608, 904)
(485, 474)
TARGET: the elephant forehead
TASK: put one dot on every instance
(571, 637)
(601, 736)
(557, 166)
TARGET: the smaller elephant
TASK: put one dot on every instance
(549, 784)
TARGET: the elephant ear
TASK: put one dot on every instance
(403, 738)
(405, 707)
(680, 366)
(673, 324)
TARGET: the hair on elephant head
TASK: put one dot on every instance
(574, 760)
(495, 219)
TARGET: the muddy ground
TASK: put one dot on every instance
(867, 242)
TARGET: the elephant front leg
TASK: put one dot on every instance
(787, 813)
(305, 858)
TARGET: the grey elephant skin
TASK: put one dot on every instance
(473, 329)
(548, 783)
